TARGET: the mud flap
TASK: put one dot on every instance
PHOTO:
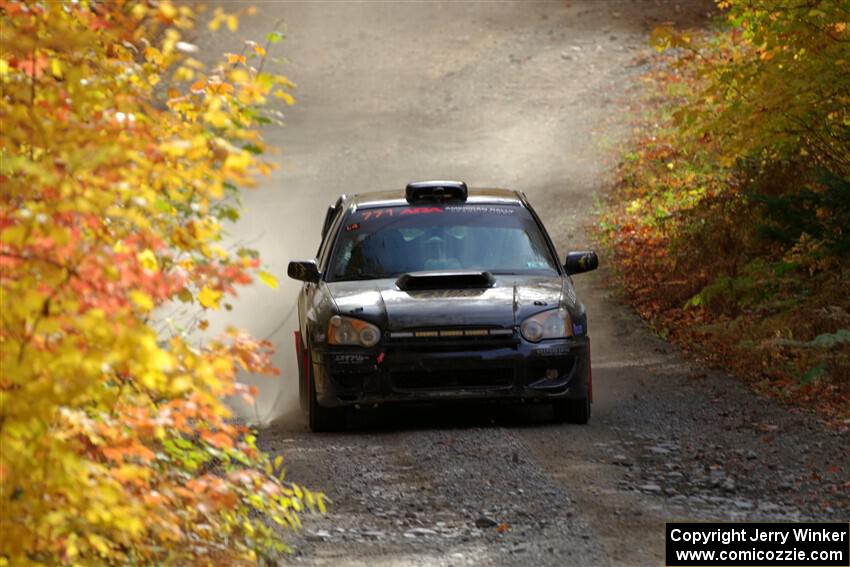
(303, 371)
(589, 373)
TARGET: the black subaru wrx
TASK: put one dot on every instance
(439, 293)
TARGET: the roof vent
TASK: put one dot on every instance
(436, 191)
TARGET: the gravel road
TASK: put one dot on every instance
(531, 96)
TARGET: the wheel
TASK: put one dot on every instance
(322, 419)
(572, 411)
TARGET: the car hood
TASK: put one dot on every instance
(510, 300)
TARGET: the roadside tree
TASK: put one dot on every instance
(121, 158)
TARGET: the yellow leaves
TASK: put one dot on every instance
(33, 301)
(126, 192)
(142, 300)
(666, 36)
(176, 148)
(139, 10)
(167, 10)
(220, 17)
(209, 297)
(285, 96)
(239, 161)
(238, 76)
(14, 235)
(268, 279)
(153, 55)
(147, 259)
(172, 36)
(234, 59)
(56, 67)
(215, 114)
(181, 384)
(99, 544)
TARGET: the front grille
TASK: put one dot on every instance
(351, 381)
(450, 379)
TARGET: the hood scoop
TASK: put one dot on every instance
(459, 279)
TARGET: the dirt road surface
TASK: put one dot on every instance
(530, 96)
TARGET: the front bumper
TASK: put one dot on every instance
(516, 370)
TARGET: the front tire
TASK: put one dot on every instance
(572, 411)
(323, 420)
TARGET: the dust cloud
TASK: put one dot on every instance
(281, 226)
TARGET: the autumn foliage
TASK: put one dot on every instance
(730, 219)
(121, 158)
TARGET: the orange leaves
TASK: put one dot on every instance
(233, 58)
(218, 439)
(33, 66)
(219, 87)
(128, 453)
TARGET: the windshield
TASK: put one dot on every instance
(390, 241)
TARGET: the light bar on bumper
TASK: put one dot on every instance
(450, 333)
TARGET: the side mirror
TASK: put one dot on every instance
(304, 270)
(578, 262)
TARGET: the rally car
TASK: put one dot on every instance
(439, 293)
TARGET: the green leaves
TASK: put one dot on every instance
(733, 199)
(275, 36)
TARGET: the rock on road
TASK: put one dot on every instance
(529, 96)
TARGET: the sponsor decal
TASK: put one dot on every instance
(352, 358)
(482, 209)
(352, 226)
(373, 214)
(421, 211)
(553, 351)
(578, 329)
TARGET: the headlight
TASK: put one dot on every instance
(552, 324)
(352, 332)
